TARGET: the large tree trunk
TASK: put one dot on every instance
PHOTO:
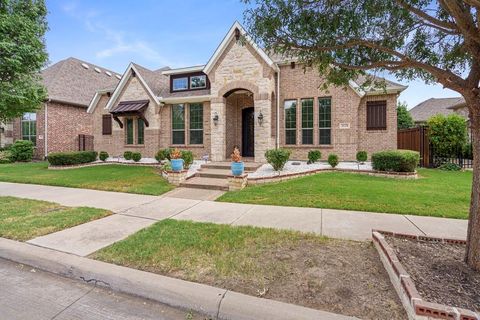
(472, 257)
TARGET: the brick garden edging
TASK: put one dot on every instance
(288, 176)
(415, 306)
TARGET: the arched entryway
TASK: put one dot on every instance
(240, 122)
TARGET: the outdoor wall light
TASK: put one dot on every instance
(260, 118)
(215, 118)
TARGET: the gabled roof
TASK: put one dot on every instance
(73, 81)
(226, 40)
(433, 106)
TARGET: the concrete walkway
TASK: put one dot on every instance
(135, 212)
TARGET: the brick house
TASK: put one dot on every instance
(242, 97)
(56, 126)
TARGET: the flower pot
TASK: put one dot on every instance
(177, 164)
(237, 168)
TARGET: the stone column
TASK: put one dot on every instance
(263, 132)
(217, 106)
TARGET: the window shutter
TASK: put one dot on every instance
(107, 124)
(377, 115)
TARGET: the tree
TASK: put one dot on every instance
(433, 40)
(448, 134)
(22, 55)
(404, 118)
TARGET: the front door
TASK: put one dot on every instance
(248, 125)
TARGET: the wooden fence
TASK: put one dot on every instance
(416, 139)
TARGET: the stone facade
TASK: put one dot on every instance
(6, 134)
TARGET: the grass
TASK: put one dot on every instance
(22, 219)
(120, 178)
(436, 193)
(197, 250)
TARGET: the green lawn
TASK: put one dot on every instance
(120, 178)
(436, 193)
(23, 219)
(195, 251)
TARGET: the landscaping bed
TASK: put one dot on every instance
(438, 271)
(23, 219)
(333, 275)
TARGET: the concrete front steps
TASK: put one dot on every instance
(214, 175)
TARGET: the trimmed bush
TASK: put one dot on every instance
(136, 156)
(71, 158)
(103, 155)
(277, 158)
(449, 166)
(187, 157)
(163, 154)
(362, 156)
(395, 160)
(333, 160)
(5, 156)
(22, 150)
(127, 155)
(314, 156)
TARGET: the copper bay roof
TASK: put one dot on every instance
(130, 106)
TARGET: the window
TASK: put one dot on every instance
(140, 131)
(196, 123)
(180, 84)
(307, 121)
(106, 124)
(198, 82)
(29, 127)
(377, 115)
(290, 121)
(325, 120)
(129, 131)
(178, 124)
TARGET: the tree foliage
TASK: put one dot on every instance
(22, 55)
(404, 118)
(448, 134)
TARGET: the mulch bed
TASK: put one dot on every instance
(439, 272)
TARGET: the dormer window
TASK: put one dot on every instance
(190, 81)
(179, 84)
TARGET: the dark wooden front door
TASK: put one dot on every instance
(248, 125)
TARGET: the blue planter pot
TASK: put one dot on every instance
(237, 168)
(177, 164)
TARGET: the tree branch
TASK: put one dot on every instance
(421, 14)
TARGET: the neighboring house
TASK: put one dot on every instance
(56, 126)
(242, 97)
(433, 106)
(6, 134)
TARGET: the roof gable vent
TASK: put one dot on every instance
(98, 70)
(108, 73)
(85, 65)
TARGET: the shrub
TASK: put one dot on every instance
(448, 134)
(449, 166)
(314, 156)
(277, 158)
(5, 156)
(362, 156)
(163, 154)
(187, 157)
(333, 160)
(71, 158)
(22, 150)
(103, 155)
(395, 160)
(167, 166)
(136, 156)
(127, 155)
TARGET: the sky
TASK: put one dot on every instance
(158, 33)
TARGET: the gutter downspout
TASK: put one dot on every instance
(277, 142)
(45, 133)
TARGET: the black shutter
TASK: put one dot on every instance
(107, 124)
(377, 115)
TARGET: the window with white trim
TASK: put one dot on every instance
(29, 127)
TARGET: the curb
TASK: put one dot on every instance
(213, 302)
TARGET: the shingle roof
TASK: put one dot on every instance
(157, 82)
(70, 82)
(433, 106)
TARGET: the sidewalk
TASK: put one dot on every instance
(134, 212)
